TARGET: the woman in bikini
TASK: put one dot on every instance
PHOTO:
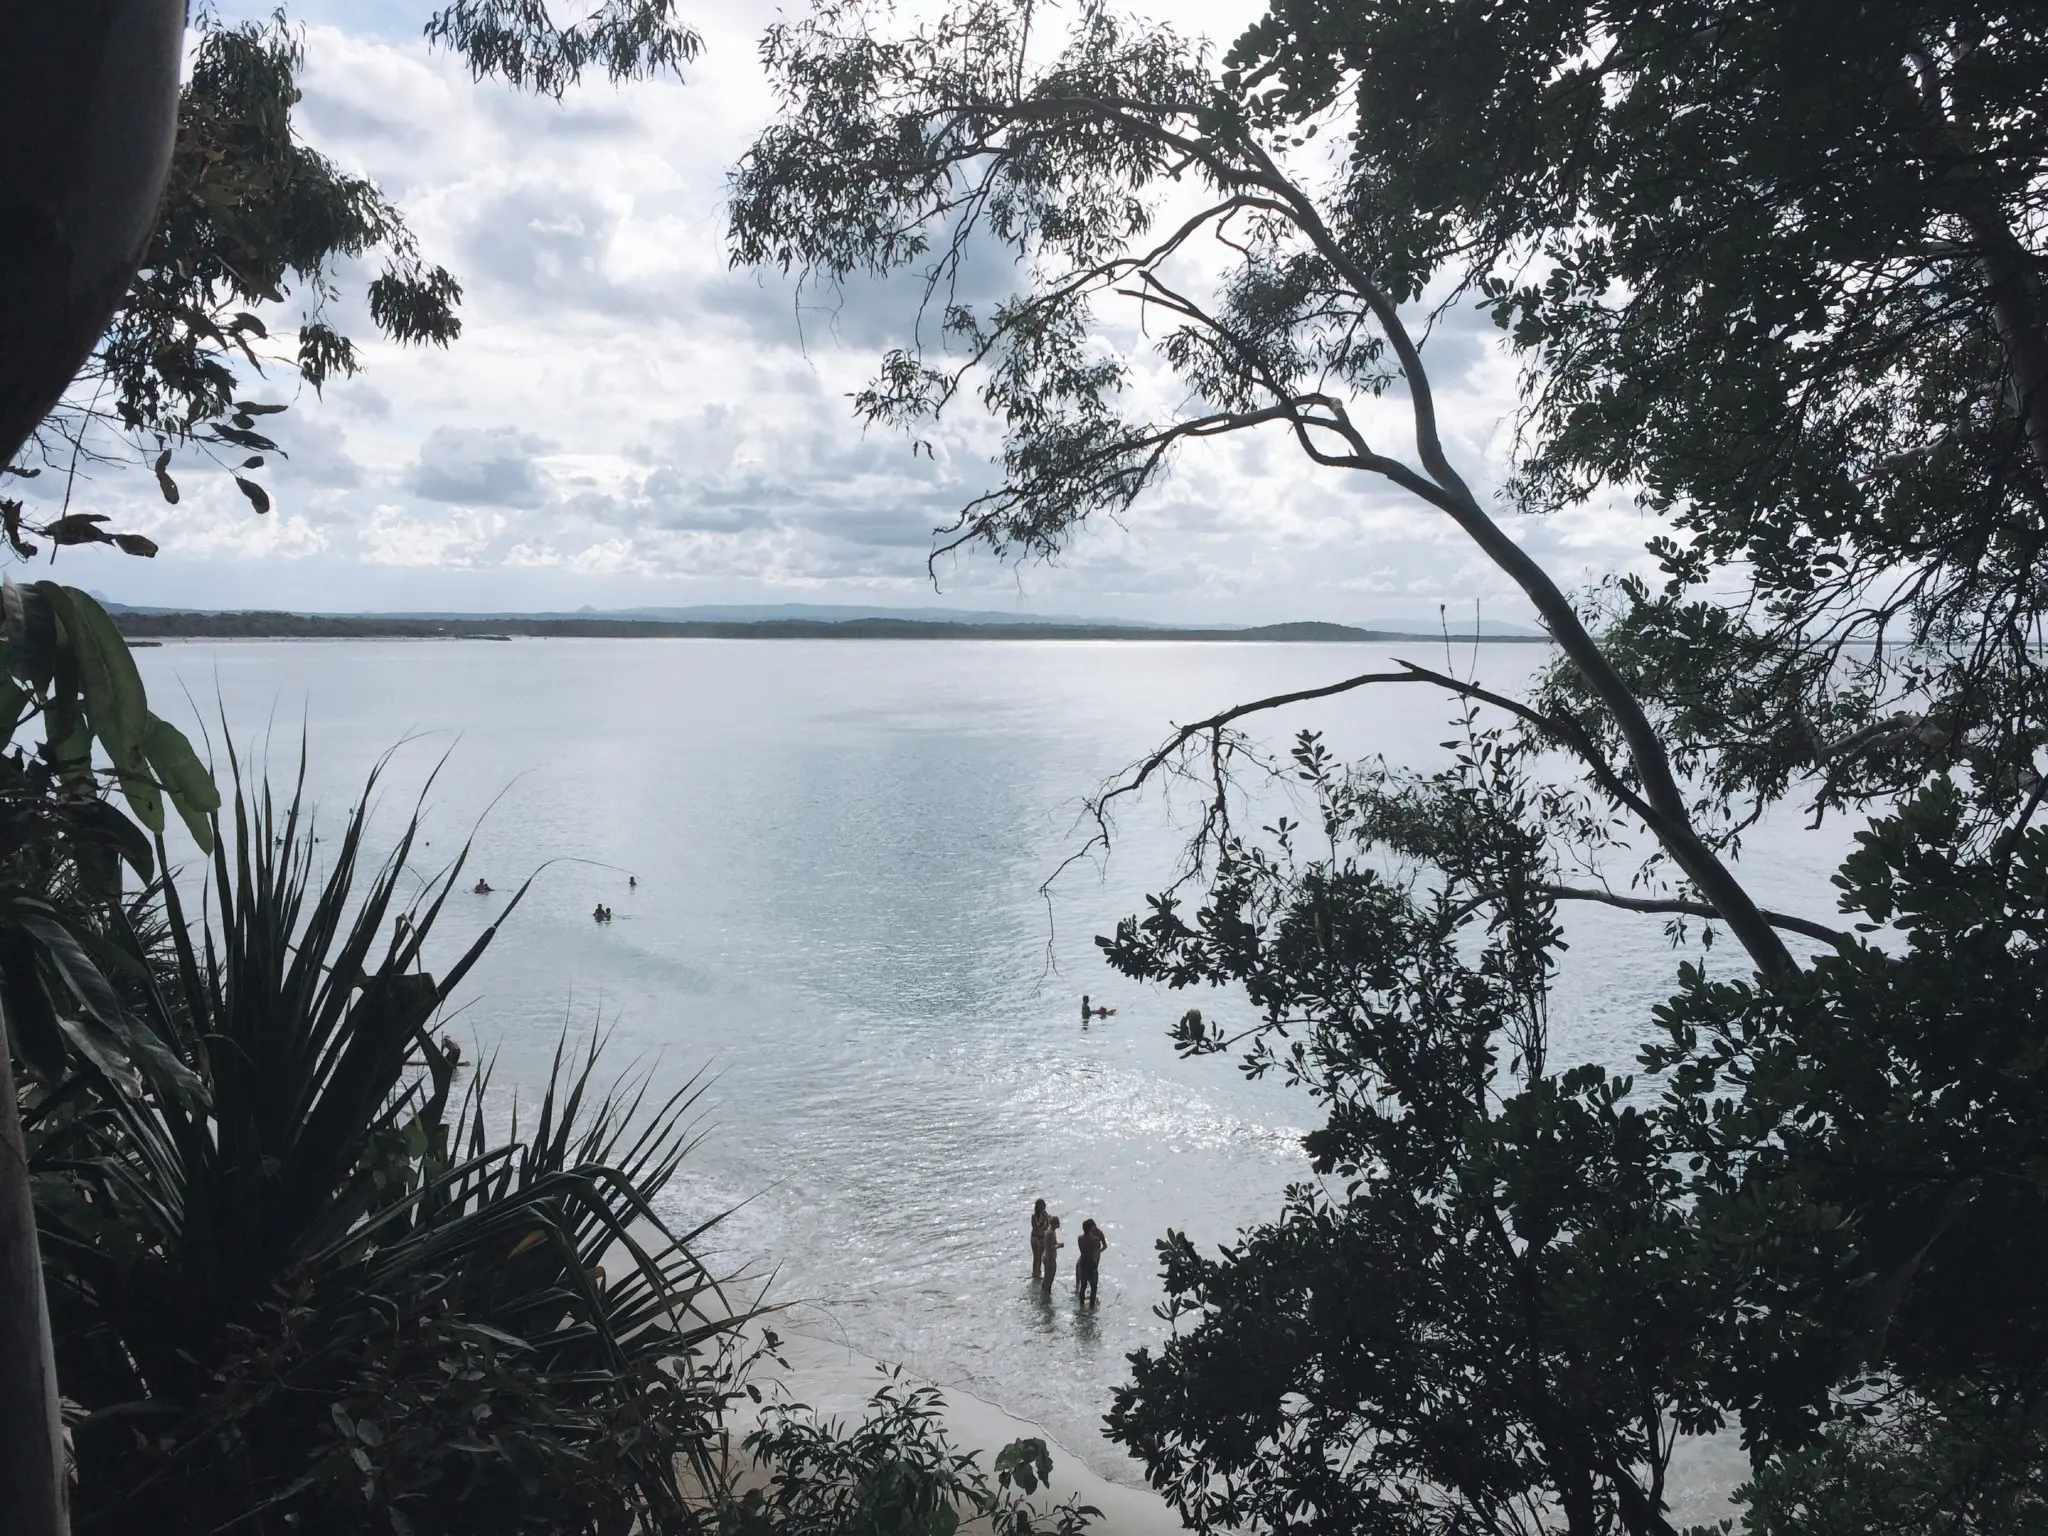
(1039, 1217)
(1052, 1248)
(1088, 1255)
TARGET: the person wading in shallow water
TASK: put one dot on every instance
(1039, 1218)
(1087, 1256)
(1051, 1252)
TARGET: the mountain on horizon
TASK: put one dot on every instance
(846, 613)
(829, 613)
(1457, 629)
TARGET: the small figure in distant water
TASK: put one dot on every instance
(451, 1051)
(1039, 1218)
(1087, 1257)
(632, 882)
(1098, 1012)
(1052, 1254)
(483, 886)
(601, 913)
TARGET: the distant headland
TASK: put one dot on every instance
(791, 622)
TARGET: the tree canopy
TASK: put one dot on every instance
(1774, 273)
(261, 236)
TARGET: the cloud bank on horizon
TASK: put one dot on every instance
(626, 421)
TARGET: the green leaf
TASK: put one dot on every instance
(104, 1049)
(115, 704)
(164, 482)
(98, 821)
(1027, 1463)
(179, 771)
(61, 949)
(31, 635)
(258, 497)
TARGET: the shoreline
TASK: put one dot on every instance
(137, 626)
(836, 1381)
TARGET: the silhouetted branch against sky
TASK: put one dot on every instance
(900, 147)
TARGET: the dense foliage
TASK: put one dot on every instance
(1489, 1299)
(1777, 274)
(319, 1289)
(65, 671)
(894, 1473)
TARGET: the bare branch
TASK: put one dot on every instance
(1678, 906)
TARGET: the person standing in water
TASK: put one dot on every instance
(1052, 1254)
(1039, 1217)
(1087, 1258)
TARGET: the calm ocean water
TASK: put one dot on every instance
(839, 847)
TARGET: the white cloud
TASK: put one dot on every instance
(625, 420)
(394, 536)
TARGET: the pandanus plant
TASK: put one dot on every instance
(328, 1292)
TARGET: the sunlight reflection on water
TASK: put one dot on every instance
(838, 849)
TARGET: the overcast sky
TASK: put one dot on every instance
(625, 421)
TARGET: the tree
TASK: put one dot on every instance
(899, 152)
(1779, 274)
(247, 207)
(256, 232)
(1489, 1299)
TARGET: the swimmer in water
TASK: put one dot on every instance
(1039, 1217)
(1087, 1258)
(1052, 1254)
(483, 886)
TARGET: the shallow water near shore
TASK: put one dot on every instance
(838, 924)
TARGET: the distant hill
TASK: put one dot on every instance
(150, 623)
(1457, 629)
(833, 618)
(839, 613)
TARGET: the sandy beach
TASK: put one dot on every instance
(838, 1381)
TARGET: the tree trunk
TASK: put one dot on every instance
(31, 1429)
(88, 113)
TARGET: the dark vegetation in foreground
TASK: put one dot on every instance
(1777, 272)
(302, 626)
(307, 1270)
